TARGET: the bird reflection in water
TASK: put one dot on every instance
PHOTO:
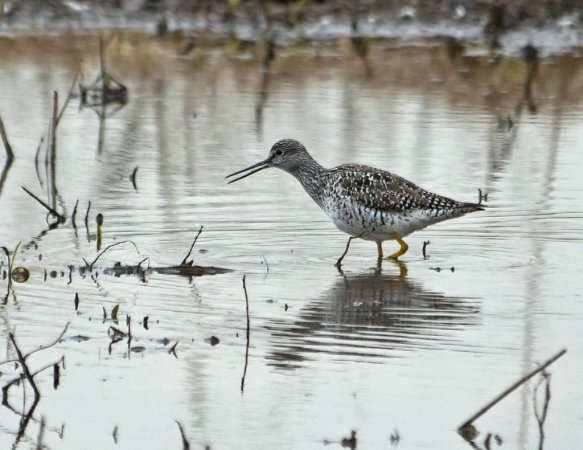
(373, 315)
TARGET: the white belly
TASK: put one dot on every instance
(373, 225)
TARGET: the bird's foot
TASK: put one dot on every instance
(401, 251)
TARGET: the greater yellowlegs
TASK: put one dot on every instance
(362, 201)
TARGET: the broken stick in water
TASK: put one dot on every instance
(189, 263)
(60, 217)
(523, 380)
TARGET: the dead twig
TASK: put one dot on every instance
(53, 151)
(425, 244)
(523, 380)
(25, 369)
(59, 217)
(34, 374)
(53, 343)
(48, 366)
(90, 266)
(184, 263)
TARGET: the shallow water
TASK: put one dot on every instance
(407, 351)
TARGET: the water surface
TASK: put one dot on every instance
(406, 350)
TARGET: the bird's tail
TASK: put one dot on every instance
(472, 207)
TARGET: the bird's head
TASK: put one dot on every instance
(286, 154)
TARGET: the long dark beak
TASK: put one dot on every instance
(250, 170)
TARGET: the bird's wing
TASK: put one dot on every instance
(384, 191)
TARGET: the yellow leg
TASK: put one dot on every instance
(402, 250)
(380, 249)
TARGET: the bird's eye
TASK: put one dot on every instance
(279, 152)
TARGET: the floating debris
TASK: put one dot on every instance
(79, 338)
(349, 442)
(425, 244)
(104, 91)
(20, 274)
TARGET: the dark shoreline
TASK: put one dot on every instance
(559, 22)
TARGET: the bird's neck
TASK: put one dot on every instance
(310, 174)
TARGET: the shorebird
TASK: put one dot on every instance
(363, 201)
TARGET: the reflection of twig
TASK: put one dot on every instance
(24, 420)
(69, 95)
(53, 151)
(10, 264)
(268, 59)
(7, 146)
(530, 54)
(90, 266)
(26, 372)
(247, 335)
(105, 90)
(185, 443)
(541, 416)
(266, 265)
(102, 60)
(360, 44)
(41, 432)
(191, 247)
(523, 380)
(9, 155)
(74, 215)
(129, 322)
(172, 350)
(133, 178)
(36, 158)
(4, 173)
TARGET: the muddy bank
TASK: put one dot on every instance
(552, 26)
